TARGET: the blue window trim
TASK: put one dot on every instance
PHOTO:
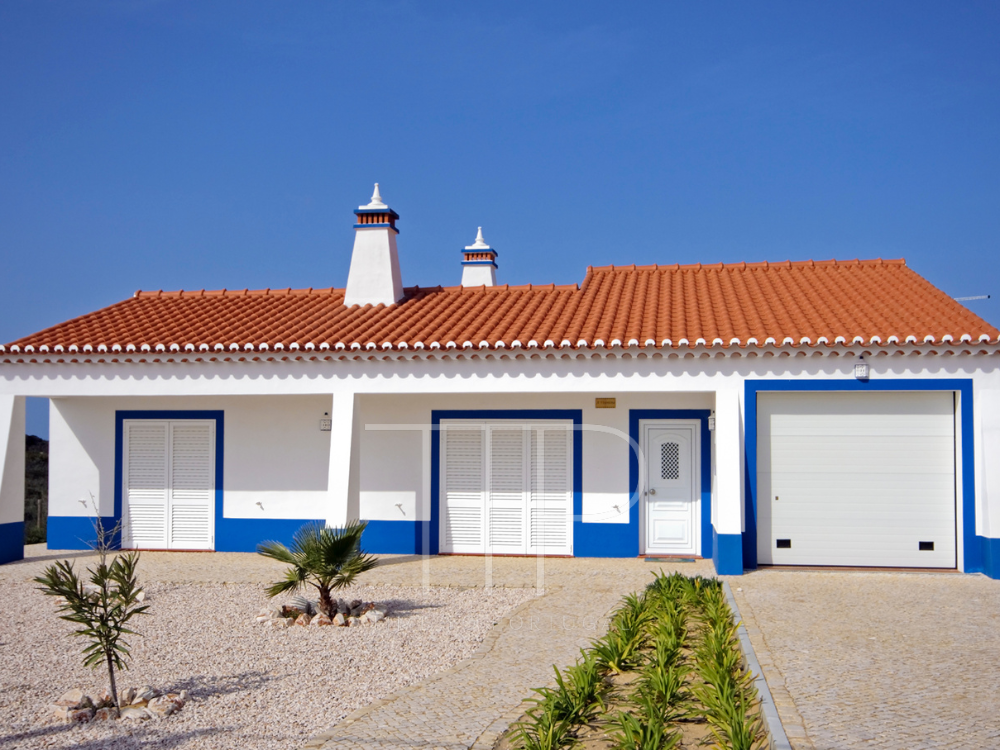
(218, 416)
(972, 546)
(634, 416)
(575, 415)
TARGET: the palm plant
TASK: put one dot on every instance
(321, 556)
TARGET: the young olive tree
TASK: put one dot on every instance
(104, 608)
(323, 557)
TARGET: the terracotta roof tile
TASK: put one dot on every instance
(802, 303)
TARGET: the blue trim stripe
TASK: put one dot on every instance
(973, 549)
(634, 416)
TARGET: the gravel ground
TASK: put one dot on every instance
(251, 686)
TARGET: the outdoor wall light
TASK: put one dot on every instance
(711, 423)
(861, 371)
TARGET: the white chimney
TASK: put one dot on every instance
(479, 263)
(374, 278)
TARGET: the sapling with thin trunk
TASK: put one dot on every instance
(104, 610)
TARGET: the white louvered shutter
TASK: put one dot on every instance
(507, 490)
(192, 485)
(144, 521)
(463, 507)
(550, 502)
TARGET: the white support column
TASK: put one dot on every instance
(729, 462)
(345, 460)
(988, 520)
(11, 478)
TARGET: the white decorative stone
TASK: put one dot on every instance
(161, 707)
(135, 713)
(127, 696)
(340, 620)
(74, 698)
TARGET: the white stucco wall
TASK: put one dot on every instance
(12, 454)
(395, 470)
(274, 453)
(409, 389)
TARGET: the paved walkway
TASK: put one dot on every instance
(471, 704)
(900, 661)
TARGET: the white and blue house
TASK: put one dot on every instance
(823, 414)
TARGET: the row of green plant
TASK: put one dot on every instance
(679, 636)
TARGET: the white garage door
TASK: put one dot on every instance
(169, 484)
(507, 488)
(865, 479)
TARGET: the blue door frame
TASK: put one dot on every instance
(702, 415)
(980, 554)
(231, 534)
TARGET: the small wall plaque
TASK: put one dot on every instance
(604, 403)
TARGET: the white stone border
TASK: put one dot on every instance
(775, 731)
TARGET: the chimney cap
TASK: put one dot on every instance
(376, 201)
(480, 243)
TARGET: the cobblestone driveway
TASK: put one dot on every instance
(878, 660)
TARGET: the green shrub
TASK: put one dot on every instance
(542, 730)
(579, 691)
(104, 612)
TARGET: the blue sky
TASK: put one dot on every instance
(204, 145)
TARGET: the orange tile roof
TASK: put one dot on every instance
(745, 304)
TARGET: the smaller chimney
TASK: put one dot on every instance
(374, 278)
(479, 263)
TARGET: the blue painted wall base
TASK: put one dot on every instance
(244, 534)
(11, 541)
(394, 537)
(605, 540)
(727, 553)
(75, 532)
(989, 551)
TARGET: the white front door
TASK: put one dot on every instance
(169, 484)
(672, 510)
